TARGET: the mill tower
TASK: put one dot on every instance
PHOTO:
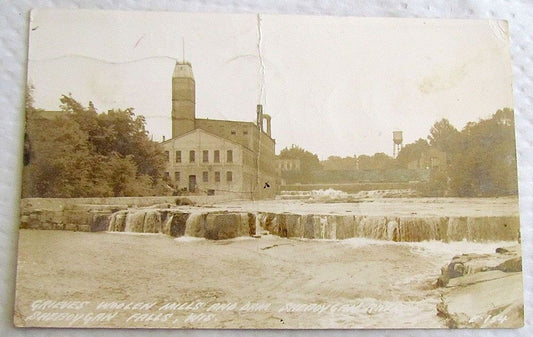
(183, 99)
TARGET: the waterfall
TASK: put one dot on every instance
(135, 222)
(152, 222)
(195, 225)
(117, 221)
(165, 229)
(260, 223)
(223, 225)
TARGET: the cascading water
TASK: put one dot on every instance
(135, 222)
(117, 221)
(260, 221)
(165, 228)
(224, 225)
(152, 222)
(194, 226)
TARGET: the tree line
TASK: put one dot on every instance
(78, 152)
(479, 160)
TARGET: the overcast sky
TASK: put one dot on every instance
(333, 85)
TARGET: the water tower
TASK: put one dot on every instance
(397, 139)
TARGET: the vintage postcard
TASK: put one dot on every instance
(274, 172)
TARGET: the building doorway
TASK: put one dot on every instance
(192, 183)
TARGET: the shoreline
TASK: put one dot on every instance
(378, 283)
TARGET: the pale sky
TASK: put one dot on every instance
(333, 85)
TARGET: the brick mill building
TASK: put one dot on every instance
(207, 156)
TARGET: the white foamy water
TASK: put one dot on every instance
(457, 247)
(430, 248)
(189, 239)
(332, 195)
(136, 233)
(329, 194)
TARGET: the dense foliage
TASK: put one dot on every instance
(309, 162)
(483, 160)
(378, 161)
(78, 152)
(479, 160)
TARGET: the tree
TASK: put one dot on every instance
(119, 131)
(412, 152)
(309, 162)
(378, 161)
(443, 136)
(338, 163)
(60, 160)
(90, 154)
(485, 160)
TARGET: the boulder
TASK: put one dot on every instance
(483, 290)
(100, 221)
(184, 202)
(293, 224)
(221, 226)
(178, 224)
(511, 265)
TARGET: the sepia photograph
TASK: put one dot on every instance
(256, 171)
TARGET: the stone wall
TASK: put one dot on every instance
(164, 216)
(225, 225)
(93, 214)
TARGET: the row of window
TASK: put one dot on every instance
(205, 176)
(287, 166)
(205, 156)
(233, 132)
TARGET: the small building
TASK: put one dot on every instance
(287, 165)
(206, 156)
(430, 159)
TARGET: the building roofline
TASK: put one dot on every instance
(207, 132)
(225, 120)
(236, 122)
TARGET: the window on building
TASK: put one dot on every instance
(217, 156)
(167, 155)
(176, 176)
(229, 176)
(229, 156)
(205, 176)
(178, 156)
(233, 132)
(245, 132)
(167, 175)
(217, 176)
(205, 156)
(192, 156)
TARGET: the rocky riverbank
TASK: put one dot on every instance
(483, 290)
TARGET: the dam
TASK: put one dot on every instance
(394, 219)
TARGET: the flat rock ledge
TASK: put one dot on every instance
(183, 219)
(483, 290)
